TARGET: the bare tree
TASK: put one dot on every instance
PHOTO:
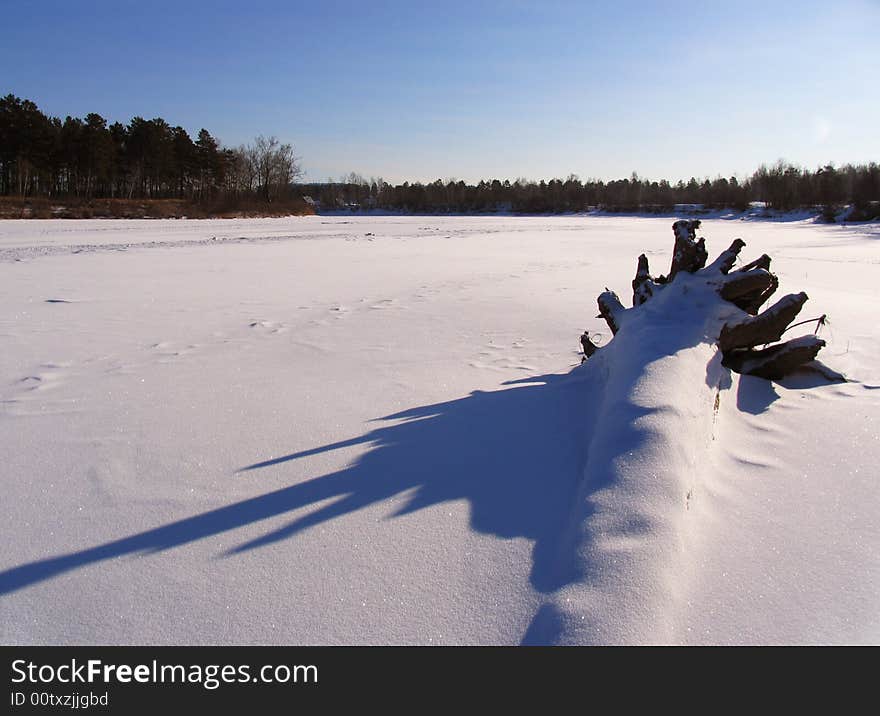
(275, 164)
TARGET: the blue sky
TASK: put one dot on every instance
(470, 90)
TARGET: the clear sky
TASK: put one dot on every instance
(469, 90)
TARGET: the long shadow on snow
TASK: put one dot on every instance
(515, 454)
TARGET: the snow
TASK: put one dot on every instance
(375, 430)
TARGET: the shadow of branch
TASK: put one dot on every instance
(515, 454)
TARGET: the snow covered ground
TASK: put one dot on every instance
(346, 430)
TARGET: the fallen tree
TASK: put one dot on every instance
(660, 406)
(743, 335)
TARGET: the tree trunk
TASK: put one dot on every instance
(731, 319)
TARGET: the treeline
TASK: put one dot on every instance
(46, 157)
(43, 156)
(782, 187)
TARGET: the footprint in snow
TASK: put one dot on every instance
(384, 303)
(271, 327)
(168, 351)
(51, 376)
(32, 382)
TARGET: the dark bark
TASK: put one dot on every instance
(689, 253)
(763, 329)
(749, 289)
(643, 284)
(763, 261)
(588, 346)
(727, 259)
(776, 361)
(611, 309)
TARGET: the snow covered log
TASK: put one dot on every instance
(731, 316)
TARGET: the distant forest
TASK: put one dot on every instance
(781, 187)
(87, 159)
